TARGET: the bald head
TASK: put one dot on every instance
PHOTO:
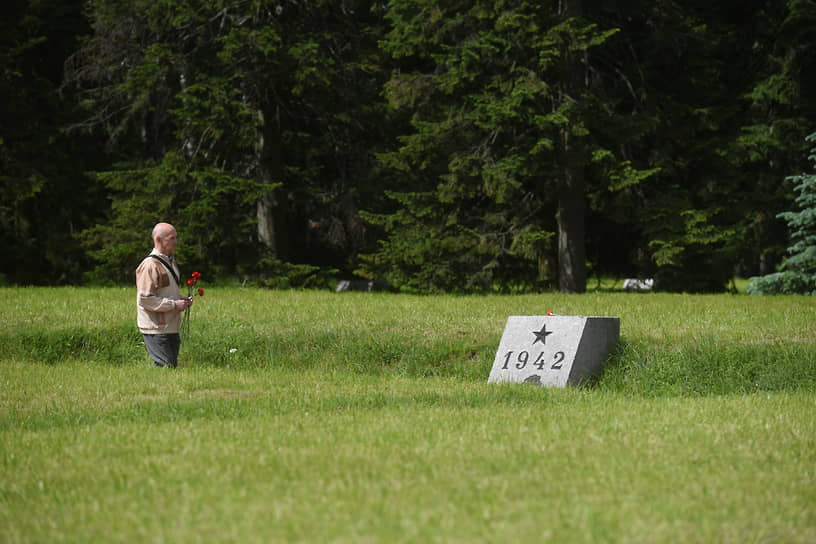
(165, 238)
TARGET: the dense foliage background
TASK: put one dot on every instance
(477, 146)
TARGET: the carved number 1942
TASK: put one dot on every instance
(523, 358)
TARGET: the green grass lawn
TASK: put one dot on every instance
(367, 417)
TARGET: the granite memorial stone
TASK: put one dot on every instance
(554, 351)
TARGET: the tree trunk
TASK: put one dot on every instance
(571, 233)
(266, 224)
(571, 208)
(270, 214)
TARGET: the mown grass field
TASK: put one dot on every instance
(361, 417)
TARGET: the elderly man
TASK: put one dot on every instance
(158, 301)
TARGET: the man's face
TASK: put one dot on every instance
(167, 243)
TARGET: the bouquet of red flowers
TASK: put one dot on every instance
(191, 292)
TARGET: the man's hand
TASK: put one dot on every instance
(183, 303)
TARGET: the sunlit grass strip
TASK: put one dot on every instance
(670, 344)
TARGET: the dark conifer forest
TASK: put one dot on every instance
(479, 146)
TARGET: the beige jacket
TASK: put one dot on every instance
(156, 292)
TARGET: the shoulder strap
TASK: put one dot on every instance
(167, 266)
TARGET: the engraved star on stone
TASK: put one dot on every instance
(541, 336)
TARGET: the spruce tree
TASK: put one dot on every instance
(797, 273)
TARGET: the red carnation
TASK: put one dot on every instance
(185, 323)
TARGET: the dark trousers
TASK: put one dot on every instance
(163, 348)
